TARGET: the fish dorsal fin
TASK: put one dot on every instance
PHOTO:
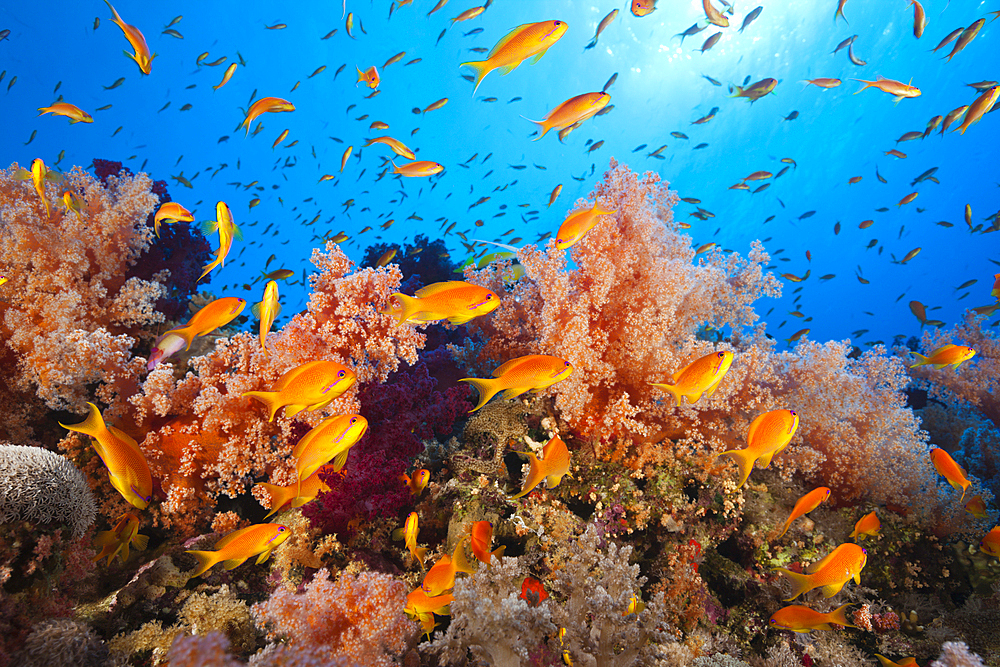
(231, 537)
(676, 377)
(126, 438)
(438, 288)
(879, 77)
(506, 39)
(818, 565)
(507, 366)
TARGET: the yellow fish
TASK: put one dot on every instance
(552, 466)
(71, 111)
(867, 526)
(983, 104)
(768, 435)
(455, 301)
(517, 376)
(233, 549)
(946, 466)
(990, 544)
(210, 317)
(903, 662)
(798, 618)
(521, 43)
(441, 576)
(115, 542)
(38, 173)
(408, 533)
(267, 310)
(701, 376)
(574, 110)
(171, 212)
(127, 467)
(804, 505)
(947, 355)
(142, 56)
(418, 482)
(418, 169)
(830, 573)
(311, 386)
(228, 230)
(481, 539)
(297, 494)
(226, 76)
(330, 440)
(576, 225)
(397, 146)
(266, 105)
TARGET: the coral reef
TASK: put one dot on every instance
(43, 488)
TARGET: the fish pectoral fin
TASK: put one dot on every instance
(538, 56)
(263, 557)
(514, 392)
(832, 589)
(233, 562)
(340, 460)
(765, 460)
(140, 541)
(507, 69)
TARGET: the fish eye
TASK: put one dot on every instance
(341, 374)
(864, 551)
(721, 355)
(354, 420)
(489, 296)
(557, 22)
(282, 529)
(566, 364)
(791, 412)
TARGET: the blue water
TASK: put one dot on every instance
(659, 89)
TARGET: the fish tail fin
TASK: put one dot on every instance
(739, 91)
(743, 461)
(839, 616)
(269, 399)
(279, 496)
(800, 582)
(482, 68)
(922, 358)
(868, 84)
(487, 388)
(206, 559)
(420, 553)
(539, 123)
(784, 527)
(535, 476)
(93, 425)
(459, 558)
(408, 305)
(670, 389)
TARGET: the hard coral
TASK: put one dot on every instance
(41, 487)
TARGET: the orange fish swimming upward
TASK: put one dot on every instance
(213, 315)
(481, 539)
(768, 435)
(441, 576)
(574, 110)
(521, 43)
(171, 212)
(228, 231)
(576, 225)
(946, 466)
(265, 105)
(455, 301)
(551, 467)
(831, 573)
(947, 355)
(533, 372)
(701, 376)
(408, 533)
(311, 386)
(804, 505)
(798, 618)
(233, 549)
(127, 467)
(867, 526)
(295, 493)
(330, 440)
(115, 542)
(983, 104)
(142, 56)
(266, 310)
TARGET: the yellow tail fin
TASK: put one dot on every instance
(279, 496)
(206, 559)
(745, 463)
(801, 583)
(269, 399)
(482, 68)
(487, 388)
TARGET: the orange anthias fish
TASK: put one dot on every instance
(897, 89)
(947, 355)
(823, 82)
(919, 19)
(552, 466)
(481, 539)
(115, 542)
(142, 56)
(517, 376)
(311, 386)
(946, 466)
(642, 8)
(233, 549)
(990, 544)
(267, 310)
(574, 110)
(714, 16)
(967, 36)
(798, 618)
(396, 145)
(171, 212)
(701, 376)
(533, 592)
(418, 169)
(576, 225)
(867, 526)
(39, 172)
(804, 505)
(422, 607)
(370, 77)
(266, 105)
(831, 573)
(768, 435)
(903, 662)
(418, 482)
(127, 467)
(441, 576)
(756, 90)
(456, 301)
(297, 494)
(71, 111)
(408, 533)
(213, 315)
(976, 507)
(521, 43)
(983, 104)
(228, 230)
(330, 440)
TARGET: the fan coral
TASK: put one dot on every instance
(39, 486)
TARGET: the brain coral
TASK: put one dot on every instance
(39, 486)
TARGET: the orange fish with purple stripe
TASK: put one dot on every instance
(551, 467)
(310, 386)
(830, 573)
(236, 547)
(768, 435)
(533, 372)
(804, 505)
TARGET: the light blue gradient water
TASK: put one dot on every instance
(659, 89)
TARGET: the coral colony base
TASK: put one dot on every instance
(654, 485)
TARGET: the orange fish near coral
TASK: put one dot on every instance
(867, 526)
(71, 111)
(297, 494)
(903, 662)
(947, 355)
(115, 542)
(946, 466)
(990, 544)
(521, 43)
(267, 310)
(127, 467)
(455, 300)
(551, 467)
(897, 89)
(804, 505)
(576, 225)
(265, 105)
(574, 110)
(701, 376)
(441, 576)
(408, 533)
(533, 372)
(421, 607)
(213, 315)
(481, 539)
(976, 507)
(418, 482)
(330, 440)
(768, 435)
(39, 172)
(311, 386)
(831, 573)
(798, 618)
(233, 549)
(142, 56)
(169, 213)
(228, 230)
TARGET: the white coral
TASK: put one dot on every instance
(42, 487)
